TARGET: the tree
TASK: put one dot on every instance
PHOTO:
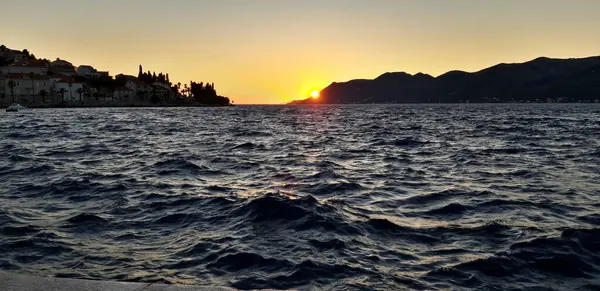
(5, 61)
(80, 92)
(141, 95)
(26, 52)
(11, 85)
(70, 90)
(140, 73)
(43, 94)
(32, 78)
(62, 92)
(155, 99)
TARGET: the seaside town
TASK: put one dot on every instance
(33, 82)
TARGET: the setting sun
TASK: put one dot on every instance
(314, 94)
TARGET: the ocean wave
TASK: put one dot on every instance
(419, 197)
(85, 218)
(180, 166)
(331, 188)
(570, 257)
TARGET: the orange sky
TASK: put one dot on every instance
(275, 51)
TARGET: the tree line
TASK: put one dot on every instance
(203, 93)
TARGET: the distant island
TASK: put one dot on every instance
(542, 80)
(34, 82)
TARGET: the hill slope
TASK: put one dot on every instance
(539, 80)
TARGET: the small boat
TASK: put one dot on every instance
(15, 108)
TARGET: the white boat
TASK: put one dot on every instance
(15, 107)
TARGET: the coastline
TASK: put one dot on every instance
(14, 282)
(117, 105)
(127, 106)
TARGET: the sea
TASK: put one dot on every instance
(321, 197)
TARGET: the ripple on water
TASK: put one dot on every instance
(422, 197)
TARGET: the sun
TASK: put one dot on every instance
(314, 94)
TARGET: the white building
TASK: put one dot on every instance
(26, 67)
(122, 93)
(162, 90)
(25, 88)
(140, 89)
(62, 67)
(126, 77)
(60, 63)
(88, 72)
(68, 89)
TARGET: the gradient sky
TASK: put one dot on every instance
(274, 51)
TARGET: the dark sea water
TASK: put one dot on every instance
(436, 197)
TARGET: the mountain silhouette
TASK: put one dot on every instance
(539, 80)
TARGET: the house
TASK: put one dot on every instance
(139, 88)
(125, 77)
(38, 67)
(14, 55)
(62, 67)
(87, 71)
(57, 77)
(3, 96)
(103, 74)
(60, 63)
(103, 94)
(25, 88)
(69, 90)
(122, 93)
(162, 90)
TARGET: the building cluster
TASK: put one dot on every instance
(30, 81)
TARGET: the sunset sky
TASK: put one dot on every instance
(274, 51)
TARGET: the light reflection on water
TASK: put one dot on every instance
(313, 198)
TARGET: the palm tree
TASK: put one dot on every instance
(71, 90)
(80, 92)
(12, 85)
(43, 94)
(52, 94)
(62, 92)
(32, 78)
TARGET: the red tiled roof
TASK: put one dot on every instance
(25, 76)
(30, 64)
(67, 80)
(7, 50)
(59, 76)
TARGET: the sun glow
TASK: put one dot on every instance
(314, 94)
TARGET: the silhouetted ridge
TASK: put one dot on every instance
(539, 80)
